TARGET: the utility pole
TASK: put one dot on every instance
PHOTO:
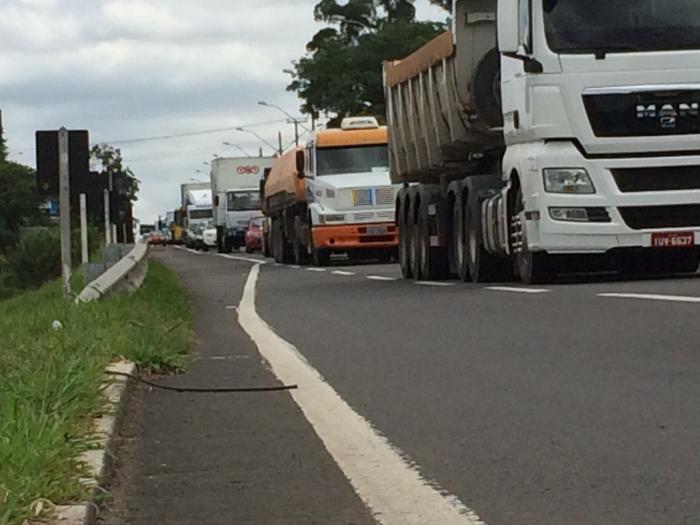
(83, 229)
(279, 138)
(261, 152)
(3, 152)
(64, 196)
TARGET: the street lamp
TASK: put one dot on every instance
(291, 120)
(244, 130)
(230, 144)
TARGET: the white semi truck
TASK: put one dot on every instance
(540, 136)
(235, 185)
(198, 217)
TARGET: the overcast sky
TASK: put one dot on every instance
(132, 69)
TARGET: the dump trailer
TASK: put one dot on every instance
(547, 136)
(332, 195)
(235, 186)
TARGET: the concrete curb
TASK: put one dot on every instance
(98, 459)
(126, 275)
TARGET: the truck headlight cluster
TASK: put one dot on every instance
(568, 180)
(336, 217)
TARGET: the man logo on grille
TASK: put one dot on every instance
(248, 170)
(668, 114)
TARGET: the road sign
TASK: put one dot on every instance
(47, 158)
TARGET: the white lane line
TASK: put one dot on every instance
(343, 272)
(390, 486)
(232, 308)
(195, 252)
(653, 297)
(244, 259)
(517, 290)
(433, 283)
(295, 266)
(381, 278)
(315, 269)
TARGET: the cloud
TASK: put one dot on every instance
(140, 68)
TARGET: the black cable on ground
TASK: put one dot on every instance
(205, 390)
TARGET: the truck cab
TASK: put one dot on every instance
(199, 217)
(349, 193)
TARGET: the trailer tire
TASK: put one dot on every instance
(487, 89)
(459, 241)
(299, 249)
(483, 267)
(404, 233)
(432, 261)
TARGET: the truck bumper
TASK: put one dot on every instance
(356, 236)
(623, 219)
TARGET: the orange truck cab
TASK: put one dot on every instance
(333, 195)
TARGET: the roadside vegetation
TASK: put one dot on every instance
(50, 377)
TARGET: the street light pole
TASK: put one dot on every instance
(259, 138)
(238, 148)
(291, 120)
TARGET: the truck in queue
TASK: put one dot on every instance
(332, 195)
(543, 135)
(235, 186)
(198, 217)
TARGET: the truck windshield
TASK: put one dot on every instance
(355, 159)
(621, 26)
(201, 214)
(243, 200)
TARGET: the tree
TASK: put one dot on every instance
(342, 71)
(20, 200)
(445, 4)
(113, 164)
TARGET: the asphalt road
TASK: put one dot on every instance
(565, 404)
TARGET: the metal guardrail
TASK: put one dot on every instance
(126, 275)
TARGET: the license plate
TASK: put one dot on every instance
(377, 230)
(673, 240)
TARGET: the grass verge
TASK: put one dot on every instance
(50, 379)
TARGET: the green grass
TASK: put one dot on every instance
(50, 379)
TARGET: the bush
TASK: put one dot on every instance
(35, 260)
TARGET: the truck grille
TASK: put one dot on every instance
(644, 113)
(373, 197)
(657, 217)
(667, 178)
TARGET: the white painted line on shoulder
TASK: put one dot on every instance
(388, 483)
(381, 278)
(517, 290)
(433, 283)
(295, 266)
(315, 269)
(232, 307)
(195, 252)
(244, 259)
(653, 297)
(343, 272)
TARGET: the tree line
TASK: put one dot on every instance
(341, 73)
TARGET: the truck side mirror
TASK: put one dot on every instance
(508, 22)
(301, 164)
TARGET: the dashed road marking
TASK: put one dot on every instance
(381, 278)
(244, 259)
(295, 266)
(385, 480)
(652, 297)
(195, 252)
(232, 307)
(343, 272)
(517, 290)
(434, 283)
(315, 269)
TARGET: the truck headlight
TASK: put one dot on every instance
(568, 180)
(336, 217)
